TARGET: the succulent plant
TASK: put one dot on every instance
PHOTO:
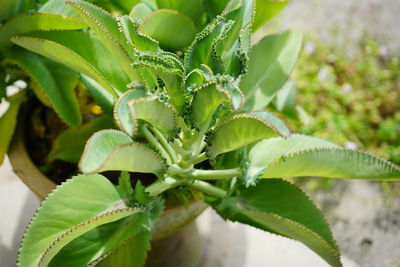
(189, 100)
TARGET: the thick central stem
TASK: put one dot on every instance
(181, 155)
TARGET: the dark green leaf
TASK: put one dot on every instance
(25, 23)
(69, 144)
(279, 207)
(56, 81)
(81, 52)
(132, 253)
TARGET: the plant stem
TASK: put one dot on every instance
(215, 174)
(208, 189)
(197, 159)
(152, 140)
(163, 185)
(167, 146)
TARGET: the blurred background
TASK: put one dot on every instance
(345, 88)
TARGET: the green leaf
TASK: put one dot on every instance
(172, 29)
(266, 10)
(335, 163)
(8, 121)
(65, 208)
(193, 9)
(10, 8)
(124, 186)
(114, 150)
(101, 96)
(279, 207)
(215, 7)
(285, 101)
(211, 95)
(236, 45)
(25, 23)
(122, 113)
(58, 7)
(266, 151)
(133, 253)
(81, 52)
(160, 115)
(82, 228)
(167, 67)
(141, 11)
(271, 61)
(138, 40)
(106, 29)
(243, 129)
(95, 245)
(203, 49)
(69, 144)
(57, 82)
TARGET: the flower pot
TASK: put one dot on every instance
(175, 239)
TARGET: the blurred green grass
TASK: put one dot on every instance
(353, 100)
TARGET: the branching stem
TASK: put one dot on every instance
(208, 188)
(161, 186)
(215, 174)
(165, 144)
(152, 140)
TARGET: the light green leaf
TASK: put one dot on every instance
(271, 61)
(122, 113)
(285, 101)
(114, 150)
(266, 10)
(138, 40)
(69, 144)
(58, 7)
(56, 81)
(141, 11)
(279, 207)
(266, 151)
(209, 96)
(25, 23)
(81, 52)
(133, 253)
(160, 115)
(172, 29)
(243, 129)
(65, 208)
(334, 163)
(8, 121)
(106, 29)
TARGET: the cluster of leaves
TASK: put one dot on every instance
(189, 111)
